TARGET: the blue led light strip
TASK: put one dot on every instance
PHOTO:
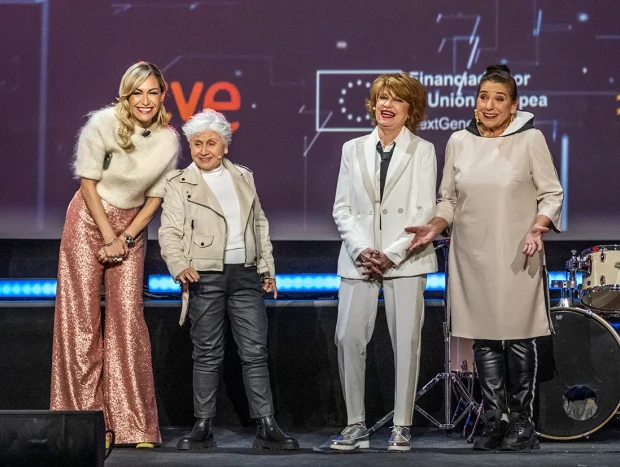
(319, 282)
(28, 288)
(290, 283)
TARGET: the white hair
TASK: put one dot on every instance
(208, 119)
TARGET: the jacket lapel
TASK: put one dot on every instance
(402, 157)
(245, 193)
(365, 152)
(200, 193)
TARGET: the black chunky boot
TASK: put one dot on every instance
(201, 436)
(489, 357)
(269, 436)
(493, 434)
(521, 434)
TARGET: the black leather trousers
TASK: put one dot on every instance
(238, 293)
(506, 373)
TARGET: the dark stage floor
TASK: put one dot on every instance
(430, 448)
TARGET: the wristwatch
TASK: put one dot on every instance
(129, 240)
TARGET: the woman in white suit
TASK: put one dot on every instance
(387, 180)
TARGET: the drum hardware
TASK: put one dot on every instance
(452, 380)
(569, 289)
(600, 290)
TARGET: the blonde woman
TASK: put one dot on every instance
(121, 158)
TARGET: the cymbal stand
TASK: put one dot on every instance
(452, 381)
(569, 287)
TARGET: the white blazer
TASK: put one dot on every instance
(408, 199)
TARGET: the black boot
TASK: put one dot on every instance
(521, 433)
(489, 357)
(493, 433)
(269, 436)
(201, 436)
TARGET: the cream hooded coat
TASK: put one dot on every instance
(491, 192)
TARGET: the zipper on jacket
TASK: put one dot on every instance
(245, 231)
(191, 240)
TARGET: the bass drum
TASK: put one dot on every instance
(578, 375)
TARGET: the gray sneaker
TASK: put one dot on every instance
(352, 437)
(400, 439)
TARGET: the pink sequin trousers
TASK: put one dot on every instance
(112, 372)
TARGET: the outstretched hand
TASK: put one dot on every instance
(424, 234)
(534, 239)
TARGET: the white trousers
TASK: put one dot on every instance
(357, 311)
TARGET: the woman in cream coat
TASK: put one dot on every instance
(386, 182)
(500, 193)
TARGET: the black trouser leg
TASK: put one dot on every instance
(489, 357)
(521, 361)
(521, 357)
(248, 320)
(207, 308)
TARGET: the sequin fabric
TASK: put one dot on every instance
(110, 371)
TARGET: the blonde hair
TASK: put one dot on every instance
(403, 86)
(131, 80)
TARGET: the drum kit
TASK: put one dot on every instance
(579, 364)
(578, 369)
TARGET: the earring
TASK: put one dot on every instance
(512, 118)
(476, 116)
(374, 108)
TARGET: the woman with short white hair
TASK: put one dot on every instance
(214, 237)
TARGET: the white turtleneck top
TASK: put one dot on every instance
(221, 184)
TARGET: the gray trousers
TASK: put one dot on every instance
(357, 311)
(236, 292)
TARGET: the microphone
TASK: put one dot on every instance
(146, 133)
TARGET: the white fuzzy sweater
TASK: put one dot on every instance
(132, 176)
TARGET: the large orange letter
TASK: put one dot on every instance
(234, 103)
(186, 108)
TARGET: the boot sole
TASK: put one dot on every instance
(486, 448)
(350, 447)
(197, 446)
(532, 443)
(262, 444)
(396, 448)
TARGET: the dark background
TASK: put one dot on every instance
(276, 52)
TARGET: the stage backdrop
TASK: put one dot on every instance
(292, 77)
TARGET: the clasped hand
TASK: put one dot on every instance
(114, 253)
(374, 262)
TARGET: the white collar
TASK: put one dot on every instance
(399, 138)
